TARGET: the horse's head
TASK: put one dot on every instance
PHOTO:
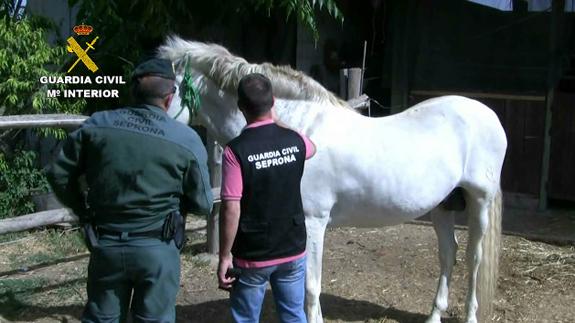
(215, 75)
(217, 110)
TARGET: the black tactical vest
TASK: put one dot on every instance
(271, 221)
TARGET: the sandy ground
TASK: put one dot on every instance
(370, 275)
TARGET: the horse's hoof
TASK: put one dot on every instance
(434, 318)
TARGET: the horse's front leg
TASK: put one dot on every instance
(443, 223)
(315, 227)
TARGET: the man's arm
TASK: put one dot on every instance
(198, 197)
(64, 174)
(229, 221)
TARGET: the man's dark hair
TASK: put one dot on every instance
(255, 94)
(151, 89)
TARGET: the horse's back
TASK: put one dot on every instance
(454, 109)
(405, 164)
(476, 127)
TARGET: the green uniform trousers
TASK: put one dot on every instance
(143, 272)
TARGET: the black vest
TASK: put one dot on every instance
(271, 221)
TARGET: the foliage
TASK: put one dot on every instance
(303, 9)
(133, 29)
(19, 180)
(25, 56)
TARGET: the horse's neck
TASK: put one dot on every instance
(305, 116)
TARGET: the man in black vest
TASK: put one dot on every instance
(261, 220)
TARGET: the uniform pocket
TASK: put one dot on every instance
(254, 226)
(254, 237)
(297, 234)
(299, 220)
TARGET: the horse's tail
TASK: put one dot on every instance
(489, 268)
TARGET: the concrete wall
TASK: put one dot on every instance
(59, 12)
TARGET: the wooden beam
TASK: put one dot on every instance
(480, 95)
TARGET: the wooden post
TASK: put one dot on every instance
(557, 12)
(215, 165)
(354, 83)
(343, 74)
(399, 72)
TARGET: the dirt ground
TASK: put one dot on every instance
(370, 275)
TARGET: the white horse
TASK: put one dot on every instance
(370, 171)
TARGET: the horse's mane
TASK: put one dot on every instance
(226, 70)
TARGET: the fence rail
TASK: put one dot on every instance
(50, 217)
(41, 121)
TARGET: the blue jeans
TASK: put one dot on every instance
(288, 286)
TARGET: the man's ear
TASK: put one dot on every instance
(168, 101)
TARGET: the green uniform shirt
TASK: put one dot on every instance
(139, 163)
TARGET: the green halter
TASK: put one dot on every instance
(189, 94)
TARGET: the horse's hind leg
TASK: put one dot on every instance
(443, 223)
(478, 222)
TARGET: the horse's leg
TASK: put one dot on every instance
(443, 223)
(478, 222)
(315, 227)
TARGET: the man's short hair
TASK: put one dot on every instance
(148, 89)
(255, 94)
(153, 80)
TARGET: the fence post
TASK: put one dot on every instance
(354, 83)
(343, 75)
(215, 165)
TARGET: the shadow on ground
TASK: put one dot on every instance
(44, 264)
(334, 308)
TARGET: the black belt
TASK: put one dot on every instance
(150, 234)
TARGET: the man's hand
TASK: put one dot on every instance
(225, 282)
(229, 219)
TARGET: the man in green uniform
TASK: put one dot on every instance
(141, 168)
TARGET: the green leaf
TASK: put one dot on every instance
(24, 58)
